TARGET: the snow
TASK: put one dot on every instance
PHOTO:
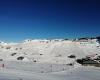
(47, 60)
(82, 73)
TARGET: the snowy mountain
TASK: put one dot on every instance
(51, 57)
(2, 43)
(54, 51)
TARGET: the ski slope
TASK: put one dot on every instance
(47, 60)
(82, 73)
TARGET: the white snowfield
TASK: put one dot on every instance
(47, 60)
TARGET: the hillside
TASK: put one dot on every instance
(46, 59)
(52, 51)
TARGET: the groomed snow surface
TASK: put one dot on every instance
(47, 60)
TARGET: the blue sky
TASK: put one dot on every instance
(22, 19)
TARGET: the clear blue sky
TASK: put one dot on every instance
(22, 19)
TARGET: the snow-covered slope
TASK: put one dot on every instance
(82, 73)
(46, 60)
(48, 51)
